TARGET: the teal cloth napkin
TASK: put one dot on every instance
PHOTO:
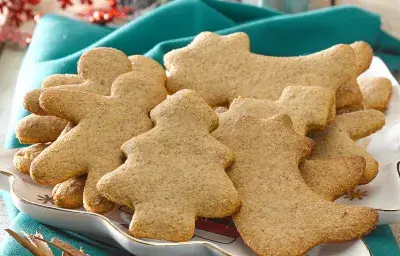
(58, 43)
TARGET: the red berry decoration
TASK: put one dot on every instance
(34, 2)
(89, 2)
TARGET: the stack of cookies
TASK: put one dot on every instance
(223, 132)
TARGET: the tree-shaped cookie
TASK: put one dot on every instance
(280, 214)
(339, 138)
(310, 108)
(175, 172)
(221, 68)
(104, 123)
(97, 70)
(376, 92)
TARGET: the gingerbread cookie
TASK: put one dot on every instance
(310, 108)
(97, 70)
(221, 68)
(338, 139)
(180, 167)
(25, 156)
(349, 97)
(333, 177)
(280, 214)
(69, 194)
(104, 123)
(376, 92)
(39, 129)
(364, 55)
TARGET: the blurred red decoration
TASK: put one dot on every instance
(89, 2)
(18, 11)
(65, 3)
(13, 35)
(106, 15)
(34, 2)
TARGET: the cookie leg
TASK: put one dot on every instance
(56, 164)
(160, 221)
(92, 199)
(69, 194)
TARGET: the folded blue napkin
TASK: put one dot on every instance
(58, 43)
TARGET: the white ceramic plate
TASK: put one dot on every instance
(219, 237)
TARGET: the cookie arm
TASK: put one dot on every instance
(58, 162)
(60, 80)
(39, 129)
(31, 102)
(70, 105)
(361, 124)
(31, 99)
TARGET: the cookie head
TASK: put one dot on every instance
(135, 86)
(103, 65)
(185, 103)
(145, 65)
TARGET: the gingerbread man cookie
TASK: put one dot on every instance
(104, 123)
(221, 68)
(97, 70)
(280, 214)
(180, 169)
